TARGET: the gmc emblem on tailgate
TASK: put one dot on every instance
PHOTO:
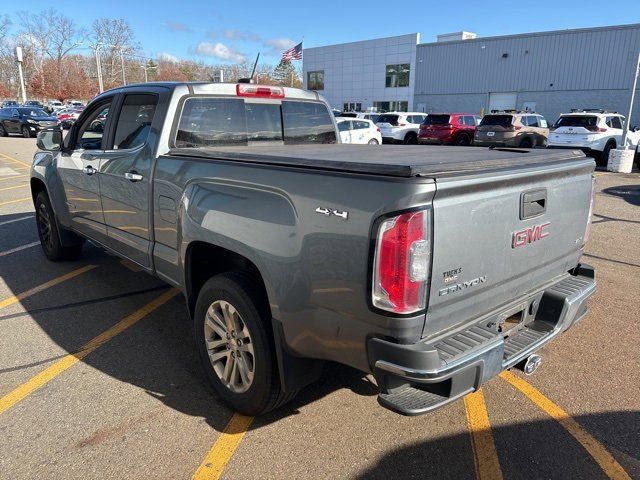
(529, 235)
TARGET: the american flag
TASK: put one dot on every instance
(294, 53)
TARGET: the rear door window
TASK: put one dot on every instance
(532, 121)
(360, 125)
(614, 122)
(134, 121)
(344, 126)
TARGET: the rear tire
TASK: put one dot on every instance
(463, 140)
(25, 132)
(373, 141)
(526, 143)
(49, 233)
(603, 158)
(250, 341)
(410, 139)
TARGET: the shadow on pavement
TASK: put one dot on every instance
(629, 193)
(531, 450)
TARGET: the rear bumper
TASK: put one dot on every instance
(415, 379)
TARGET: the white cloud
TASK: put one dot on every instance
(167, 57)
(221, 51)
(235, 34)
(279, 45)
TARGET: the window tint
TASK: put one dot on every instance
(543, 122)
(436, 120)
(577, 121)
(32, 112)
(373, 117)
(212, 122)
(315, 80)
(614, 122)
(134, 121)
(343, 126)
(503, 120)
(92, 128)
(532, 121)
(307, 122)
(397, 75)
(264, 123)
(390, 119)
(359, 125)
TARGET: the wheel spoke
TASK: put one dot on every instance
(219, 355)
(214, 324)
(213, 344)
(228, 368)
(242, 368)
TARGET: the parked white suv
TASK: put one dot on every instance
(358, 130)
(400, 127)
(595, 132)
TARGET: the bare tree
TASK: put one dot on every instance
(117, 38)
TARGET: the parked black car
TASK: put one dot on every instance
(25, 121)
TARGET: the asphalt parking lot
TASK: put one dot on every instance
(99, 379)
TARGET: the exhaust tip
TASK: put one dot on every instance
(531, 364)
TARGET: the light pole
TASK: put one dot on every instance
(98, 67)
(22, 87)
(633, 96)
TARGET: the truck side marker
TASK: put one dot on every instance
(213, 465)
(485, 455)
(71, 359)
(606, 461)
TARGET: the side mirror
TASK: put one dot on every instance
(15, 114)
(635, 128)
(50, 140)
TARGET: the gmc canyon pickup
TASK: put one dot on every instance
(433, 268)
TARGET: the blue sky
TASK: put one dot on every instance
(227, 32)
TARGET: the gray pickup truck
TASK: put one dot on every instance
(433, 268)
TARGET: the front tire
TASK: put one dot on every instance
(232, 327)
(526, 143)
(49, 233)
(25, 132)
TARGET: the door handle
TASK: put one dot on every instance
(133, 176)
(89, 170)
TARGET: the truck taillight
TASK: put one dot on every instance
(402, 262)
(262, 91)
(587, 230)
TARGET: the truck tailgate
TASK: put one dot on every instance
(497, 237)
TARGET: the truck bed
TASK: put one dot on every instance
(390, 160)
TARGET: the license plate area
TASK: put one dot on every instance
(513, 320)
(490, 134)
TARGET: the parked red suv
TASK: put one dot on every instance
(448, 128)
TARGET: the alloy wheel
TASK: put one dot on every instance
(44, 222)
(229, 346)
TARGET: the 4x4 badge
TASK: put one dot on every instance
(330, 211)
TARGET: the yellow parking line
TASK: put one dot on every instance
(13, 176)
(600, 454)
(32, 291)
(15, 160)
(485, 455)
(71, 359)
(16, 201)
(14, 187)
(213, 465)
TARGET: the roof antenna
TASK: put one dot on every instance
(250, 79)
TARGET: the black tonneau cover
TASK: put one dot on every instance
(392, 160)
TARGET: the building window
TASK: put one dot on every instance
(391, 106)
(352, 107)
(315, 80)
(397, 75)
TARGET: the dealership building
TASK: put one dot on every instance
(546, 72)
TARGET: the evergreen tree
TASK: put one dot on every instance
(285, 74)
